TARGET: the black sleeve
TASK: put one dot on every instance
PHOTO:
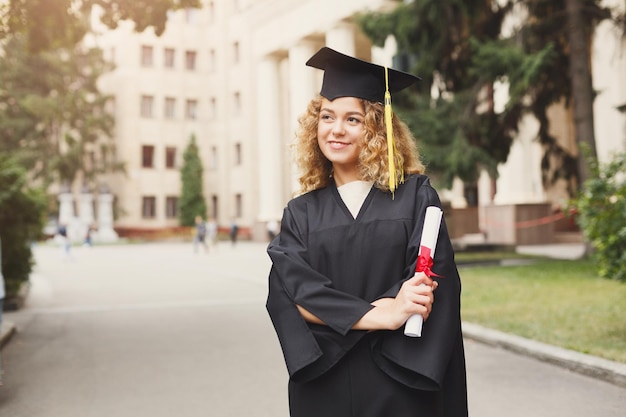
(309, 349)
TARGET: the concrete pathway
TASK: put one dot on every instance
(156, 330)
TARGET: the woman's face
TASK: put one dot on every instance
(340, 132)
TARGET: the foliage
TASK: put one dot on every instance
(50, 24)
(461, 51)
(53, 120)
(192, 202)
(53, 117)
(21, 219)
(601, 207)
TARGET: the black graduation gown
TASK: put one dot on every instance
(334, 266)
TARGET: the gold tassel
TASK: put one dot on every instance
(391, 144)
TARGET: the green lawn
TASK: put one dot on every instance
(563, 303)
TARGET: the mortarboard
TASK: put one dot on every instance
(346, 76)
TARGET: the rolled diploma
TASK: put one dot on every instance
(430, 233)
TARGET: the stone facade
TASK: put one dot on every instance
(233, 75)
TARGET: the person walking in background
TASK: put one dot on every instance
(200, 237)
(88, 242)
(343, 283)
(234, 230)
(212, 232)
(272, 229)
(66, 245)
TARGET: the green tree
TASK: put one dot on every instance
(53, 118)
(601, 207)
(192, 202)
(459, 131)
(50, 24)
(459, 48)
(21, 217)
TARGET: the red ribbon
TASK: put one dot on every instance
(425, 262)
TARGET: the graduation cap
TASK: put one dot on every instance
(346, 76)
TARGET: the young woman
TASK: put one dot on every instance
(343, 281)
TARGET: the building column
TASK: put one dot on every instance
(341, 38)
(86, 208)
(66, 207)
(269, 139)
(519, 178)
(105, 232)
(303, 87)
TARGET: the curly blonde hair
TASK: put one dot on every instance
(316, 170)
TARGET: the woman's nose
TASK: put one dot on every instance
(338, 129)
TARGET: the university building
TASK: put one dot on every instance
(232, 75)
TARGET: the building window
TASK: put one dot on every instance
(170, 108)
(213, 158)
(213, 108)
(170, 157)
(146, 56)
(148, 207)
(237, 160)
(470, 192)
(211, 11)
(214, 206)
(237, 104)
(147, 102)
(190, 60)
(168, 58)
(191, 15)
(238, 205)
(147, 156)
(171, 207)
(212, 61)
(191, 109)
(236, 53)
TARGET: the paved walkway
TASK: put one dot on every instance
(606, 370)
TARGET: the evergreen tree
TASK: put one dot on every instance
(192, 202)
(459, 48)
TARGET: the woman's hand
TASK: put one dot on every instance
(415, 297)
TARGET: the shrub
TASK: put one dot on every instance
(601, 208)
(21, 220)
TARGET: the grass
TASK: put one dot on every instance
(559, 302)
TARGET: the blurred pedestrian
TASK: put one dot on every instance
(212, 232)
(66, 245)
(88, 242)
(234, 231)
(272, 229)
(200, 237)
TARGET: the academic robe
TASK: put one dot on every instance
(334, 266)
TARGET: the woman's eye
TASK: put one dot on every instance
(325, 116)
(354, 120)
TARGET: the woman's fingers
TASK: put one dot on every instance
(417, 292)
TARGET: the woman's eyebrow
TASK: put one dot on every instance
(350, 113)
